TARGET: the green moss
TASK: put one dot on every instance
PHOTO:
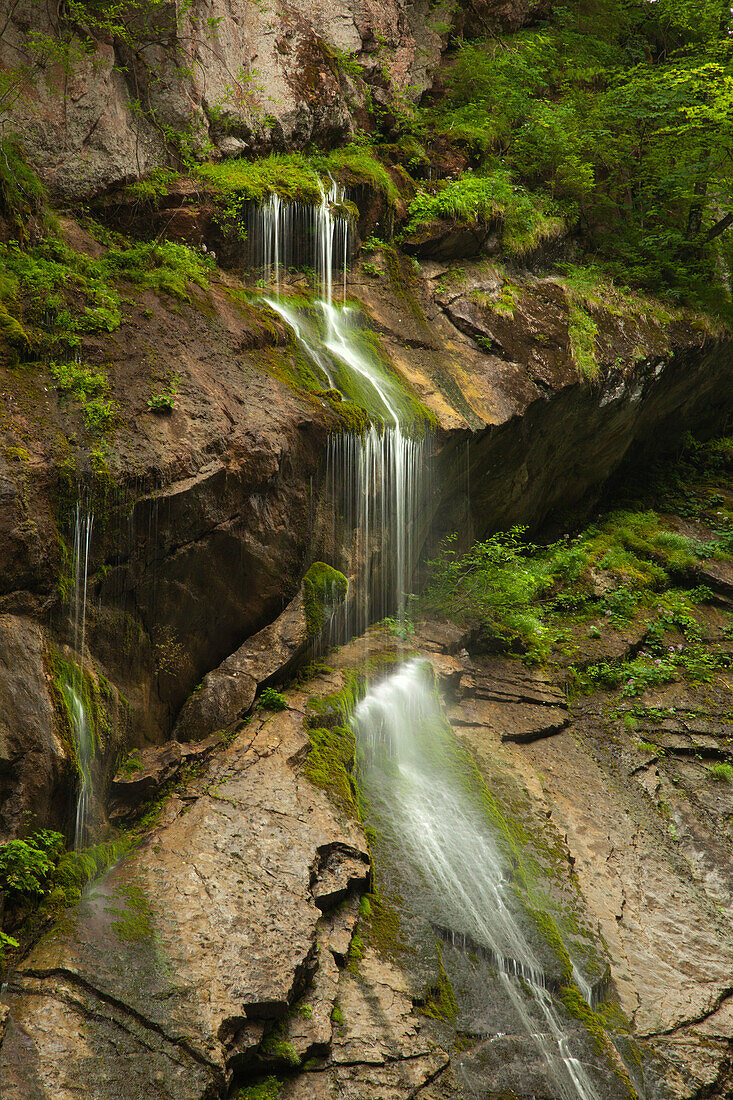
(330, 762)
(722, 772)
(132, 920)
(324, 588)
(290, 175)
(360, 164)
(439, 1002)
(270, 1088)
(281, 1050)
(337, 1015)
(582, 332)
(21, 192)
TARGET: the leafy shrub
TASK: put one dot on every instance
(165, 400)
(495, 587)
(492, 196)
(270, 699)
(26, 865)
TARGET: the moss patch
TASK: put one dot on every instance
(324, 588)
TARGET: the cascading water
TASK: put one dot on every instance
(73, 689)
(422, 798)
(283, 235)
(376, 479)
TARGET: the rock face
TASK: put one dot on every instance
(231, 945)
(244, 78)
(242, 872)
(33, 759)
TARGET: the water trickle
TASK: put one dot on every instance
(284, 234)
(73, 689)
(421, 798)
(376, 479)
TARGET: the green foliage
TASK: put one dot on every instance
(21, 193)
(270, 1088)
(164, 400)
(270, 699)
(621, 114)
(359, 164)
(7, 943)
(324, 588)
(527, 219)
(290, 175)
(517, 596)
(26, 865)
(38, 871)
(722, 772)
(495, 585)
(161, 265)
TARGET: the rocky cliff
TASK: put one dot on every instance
(166, 485)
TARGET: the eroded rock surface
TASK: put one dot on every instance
(193, 943)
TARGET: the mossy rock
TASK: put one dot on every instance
(324, 588)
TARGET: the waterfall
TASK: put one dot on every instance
(282, 234)
(378, 483)
(376, 480)
(420, 796)
(74, 688)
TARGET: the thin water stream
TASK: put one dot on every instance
(73, 688)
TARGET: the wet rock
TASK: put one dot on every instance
(517, 703)
(147, 771)
(340, 870)
(192, 943)
(229, 690)
(449, 240)
(34, 761)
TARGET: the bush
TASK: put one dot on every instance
(26, 865)
(493, 196)
(270, 699)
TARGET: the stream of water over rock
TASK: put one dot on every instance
(418, 794)
(379, 479)
(73, 683)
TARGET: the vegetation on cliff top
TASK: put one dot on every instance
(620, 113)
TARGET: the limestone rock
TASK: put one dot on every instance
(229, 690)
(188, 946)
(147, 771)
(34, 762)
(247, 78)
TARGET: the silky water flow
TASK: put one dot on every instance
(378, 480)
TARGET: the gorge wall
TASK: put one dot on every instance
(256, 940)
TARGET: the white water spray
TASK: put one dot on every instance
(423, 800)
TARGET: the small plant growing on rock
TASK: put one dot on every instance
(270, 699)
(164, 401)
(722, 772)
